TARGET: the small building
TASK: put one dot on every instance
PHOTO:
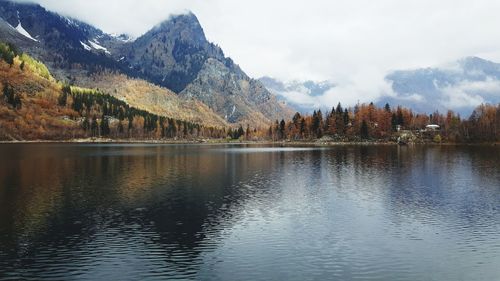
(432, 127)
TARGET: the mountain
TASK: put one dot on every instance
(155, 99)
(64, 44)
(174, 55)
(34, 106)
(460, 86)
(301, 95)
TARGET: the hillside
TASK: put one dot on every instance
(158, 100)
(34, 106)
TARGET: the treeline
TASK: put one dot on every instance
(103, 115)
(369, 122)
(91, 113)
(65, 110)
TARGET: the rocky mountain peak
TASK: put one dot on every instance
(175, 54)
(469, 64)
(183, 27)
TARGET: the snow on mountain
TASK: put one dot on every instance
(23, 31)
(85, 46)
(96, 46)
(123, 37)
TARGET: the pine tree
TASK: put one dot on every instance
(94, 127)
(364, 130)
(120, 127)
(17, 102)
(11, 97)
(105, 130)
(387, 108)
(240, 132)
(86, 124)
(282, 129)
(394, 122)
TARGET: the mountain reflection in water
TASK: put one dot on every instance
(128, 212)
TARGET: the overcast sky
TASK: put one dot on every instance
(353, 43)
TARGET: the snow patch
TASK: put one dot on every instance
(71, 22)
(85, 46)
(23, 31)
(122, 37)
(98, 47)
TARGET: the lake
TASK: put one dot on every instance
(249, 212)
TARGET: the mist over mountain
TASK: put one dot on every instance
(301, 95)
(459, 86)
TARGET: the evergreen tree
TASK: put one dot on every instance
(282, 129)
(11, 97)
(94, 127)
(387, 108)
(399, 117)
(120, 127)
(394, 122)
(17, 102)
(364, 130)
(346, 118)
(105, 130)
(86, 124)
(240, 132)
(317, 125)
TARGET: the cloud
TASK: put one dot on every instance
(351, 42)
(411, 98)
(455, 99)
(301, 98)
(488, 86)
(364, 87)
(469, 94)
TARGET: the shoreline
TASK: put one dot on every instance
(220, 142)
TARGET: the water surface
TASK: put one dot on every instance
(210, 212)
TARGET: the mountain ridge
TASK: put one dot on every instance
(460, 86)
(171, 55)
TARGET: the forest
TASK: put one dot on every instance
(36, 106)
(365, 122)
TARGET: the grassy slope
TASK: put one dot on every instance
(146, 96)
(39, 116)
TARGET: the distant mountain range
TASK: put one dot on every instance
(298, 94)
(174, 55)
(459, 86)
